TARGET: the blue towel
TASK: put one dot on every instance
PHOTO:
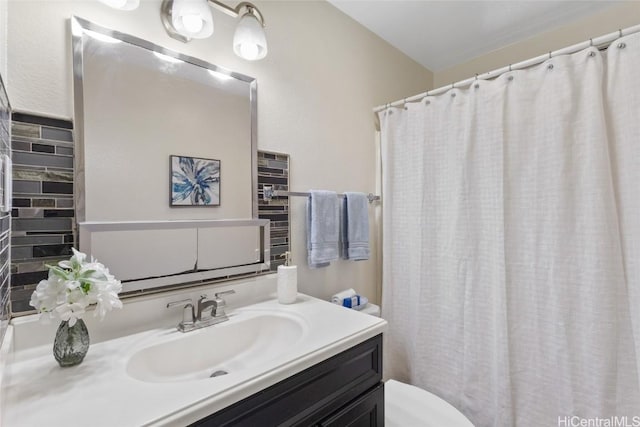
(323, 221)
(354, 227)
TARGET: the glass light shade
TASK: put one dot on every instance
(192, 18)
(122, 4)
(249, 40)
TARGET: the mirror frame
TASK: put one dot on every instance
(85, 229)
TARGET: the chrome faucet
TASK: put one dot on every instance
(206, 308)
(206, 313)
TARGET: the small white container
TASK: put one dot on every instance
(287, 281)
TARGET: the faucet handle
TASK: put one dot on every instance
(176, 303)
(186, 305)
(221, 303)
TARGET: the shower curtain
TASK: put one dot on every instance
(511, 242)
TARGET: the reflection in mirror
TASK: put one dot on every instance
(137, 105)
(148, 254)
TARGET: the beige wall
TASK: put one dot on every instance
(622, 16)
(316, 90)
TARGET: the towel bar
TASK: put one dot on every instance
(268, 193)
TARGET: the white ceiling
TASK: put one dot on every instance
(441, 34)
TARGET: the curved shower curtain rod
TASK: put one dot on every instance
(598, 42)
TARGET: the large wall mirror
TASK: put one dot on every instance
(166, 162)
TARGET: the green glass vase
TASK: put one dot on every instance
(71, 343)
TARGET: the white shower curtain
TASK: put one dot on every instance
(511, 229)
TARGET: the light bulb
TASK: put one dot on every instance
(192, 18)
(192, 23)
(249, 51)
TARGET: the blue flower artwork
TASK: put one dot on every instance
(195, 181)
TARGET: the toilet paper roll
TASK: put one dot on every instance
(340, 296)
(287, 284)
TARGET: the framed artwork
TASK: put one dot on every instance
(194, 181)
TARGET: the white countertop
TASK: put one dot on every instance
(100, 392)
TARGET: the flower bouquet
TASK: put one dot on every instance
(71, 287)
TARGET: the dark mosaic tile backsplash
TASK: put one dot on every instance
(43, 204)
(273, 169)
(5, 218)
(43, 207)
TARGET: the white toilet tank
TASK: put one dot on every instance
(371, 309)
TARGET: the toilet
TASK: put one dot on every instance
(410, 406)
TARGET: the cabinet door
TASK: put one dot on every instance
(366, 411)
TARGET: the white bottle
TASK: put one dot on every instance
(287, 281)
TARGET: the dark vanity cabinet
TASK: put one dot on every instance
(345, 390)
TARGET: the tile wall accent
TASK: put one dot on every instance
(273, 169)
(5, 217)
(43, 210)
(43, 214)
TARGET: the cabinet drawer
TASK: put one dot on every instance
(365, 411)
(311, 395)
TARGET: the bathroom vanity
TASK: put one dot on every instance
(307, 363)
(340, 391)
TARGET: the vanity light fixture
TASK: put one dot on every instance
(188, 19)
(122, 4)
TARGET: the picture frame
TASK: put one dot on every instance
(194, 181)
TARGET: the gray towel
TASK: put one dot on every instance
(323, 219)
(354, 227)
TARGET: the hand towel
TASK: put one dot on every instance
(323, 221)
(355, 227)
(347, 293)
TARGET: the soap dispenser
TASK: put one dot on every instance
(287, 281)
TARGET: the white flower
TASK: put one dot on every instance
(107, 297)
(75, 284)
(70, 312)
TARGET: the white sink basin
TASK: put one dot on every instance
(247, 339)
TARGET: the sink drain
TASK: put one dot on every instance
(218, 373)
